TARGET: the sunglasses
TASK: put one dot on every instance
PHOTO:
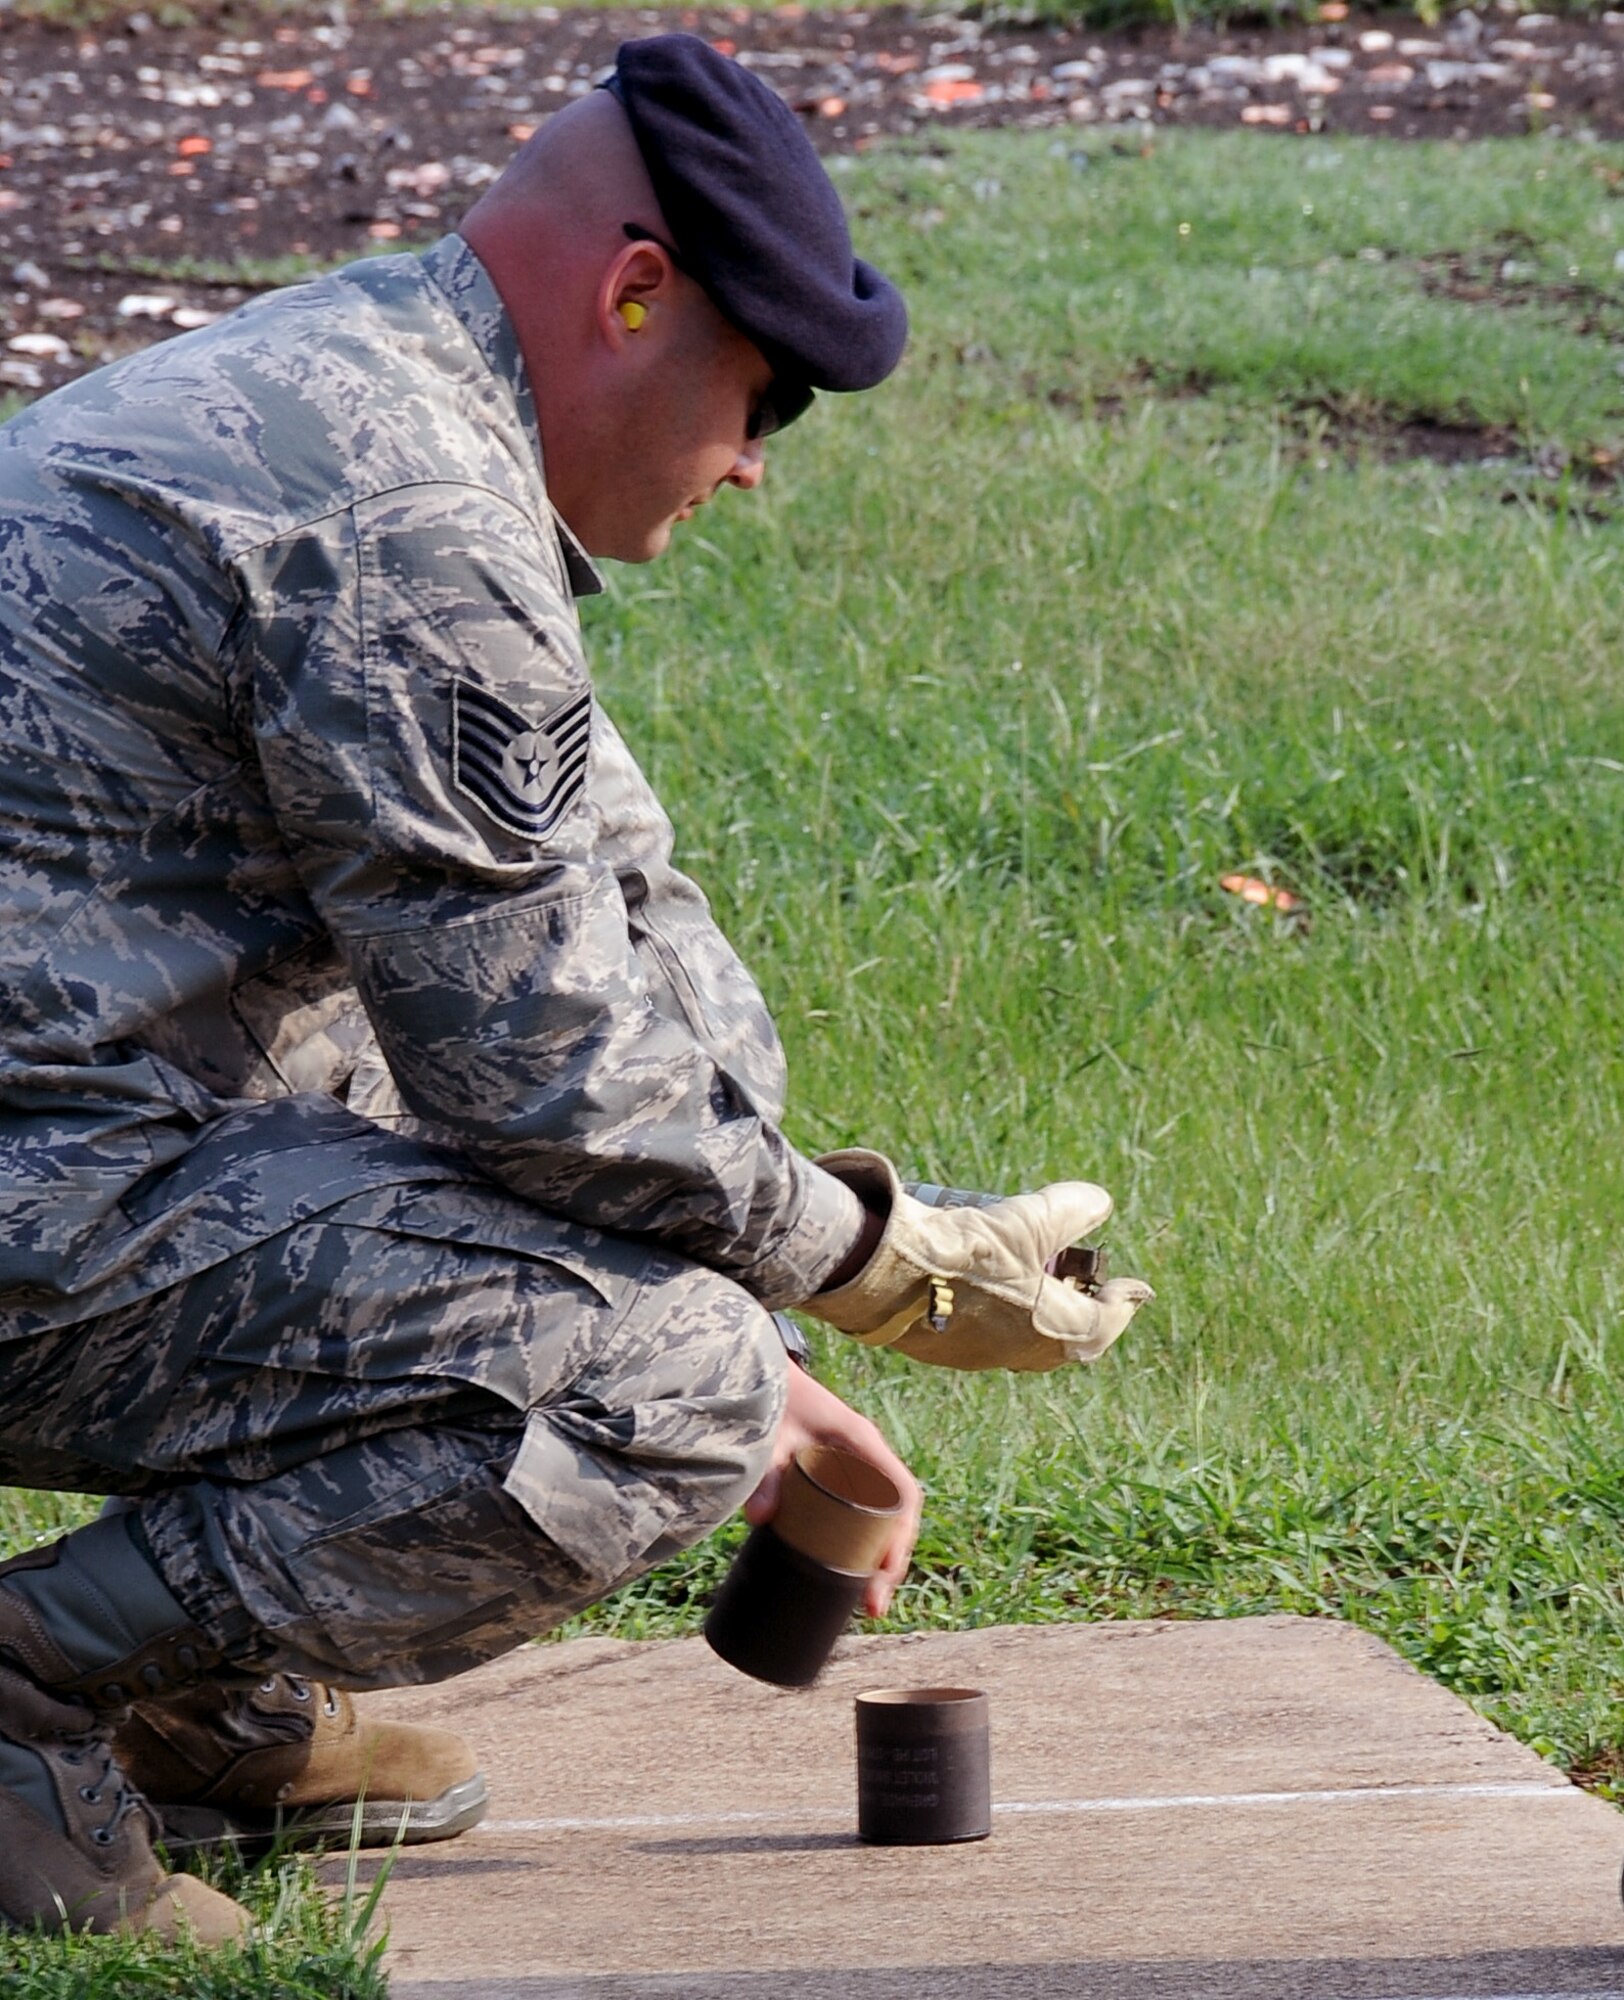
(782, 401)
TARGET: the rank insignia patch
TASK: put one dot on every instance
(525, 774)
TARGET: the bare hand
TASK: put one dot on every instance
(816, 1415)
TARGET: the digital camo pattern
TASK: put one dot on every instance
(524, 771)
(389, 1444)
(259, 949)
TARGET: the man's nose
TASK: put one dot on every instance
(749, 468)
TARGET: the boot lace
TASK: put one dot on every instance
(302, 1688)
(103, 1780)
(296, 1685)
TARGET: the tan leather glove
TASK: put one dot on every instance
(969, 1287)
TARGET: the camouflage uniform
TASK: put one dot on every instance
(382, 1116)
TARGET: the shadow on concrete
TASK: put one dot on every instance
(1516, 1975)
(747, 1843)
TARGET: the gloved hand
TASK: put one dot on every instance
(970, 1287)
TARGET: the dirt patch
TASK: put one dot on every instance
(1386, 435)
(1589, 484)
(150, 177)
(1326, 430)
(1509, 277)
(1602, 1771)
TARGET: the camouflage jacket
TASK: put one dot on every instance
(321, 867)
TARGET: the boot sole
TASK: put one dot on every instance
(376, 1823)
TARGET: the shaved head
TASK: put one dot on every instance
(632, 366)
(581, 169)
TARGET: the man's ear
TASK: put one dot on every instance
(637, 284)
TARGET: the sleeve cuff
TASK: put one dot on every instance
(815, 1245)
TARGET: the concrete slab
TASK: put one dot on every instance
(1256, 1809)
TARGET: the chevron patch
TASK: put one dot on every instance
(526, 774)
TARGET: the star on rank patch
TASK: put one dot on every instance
(525, 773)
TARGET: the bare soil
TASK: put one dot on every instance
(152, 176)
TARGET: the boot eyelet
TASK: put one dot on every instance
(330, 1705)
(115, 1693)
(102, 1836)
(268, 1687)
(300, 1691)
(90, 1797)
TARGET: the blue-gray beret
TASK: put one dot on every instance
(756, 220)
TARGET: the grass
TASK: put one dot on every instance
(1023, 683)
(307, 1945)
(1118, 587)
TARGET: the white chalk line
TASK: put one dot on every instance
(1045, 1808)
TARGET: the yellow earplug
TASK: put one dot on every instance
(633, 314)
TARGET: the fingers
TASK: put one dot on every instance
(763, 1503)
(866, 1440)
(1088, 1322)
(816, 1415)
(882, 1586)
(1072, 1209)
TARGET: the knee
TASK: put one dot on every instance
(731, 1413)
(702, 1383)
(668, 1432)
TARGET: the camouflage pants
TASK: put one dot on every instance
(409, 1433)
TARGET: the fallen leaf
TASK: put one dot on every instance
(832, 107)
(383, 232)
(519, 133)
(189, 318)
(953, 90)
(60, 309)
(1266, 114)
(1264, 894)
(285, 79)
(194, 146)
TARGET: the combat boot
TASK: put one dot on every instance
(292, 1760)
(82, 1625)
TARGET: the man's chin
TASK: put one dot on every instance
(635, 548)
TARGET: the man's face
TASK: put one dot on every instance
(690, 433)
